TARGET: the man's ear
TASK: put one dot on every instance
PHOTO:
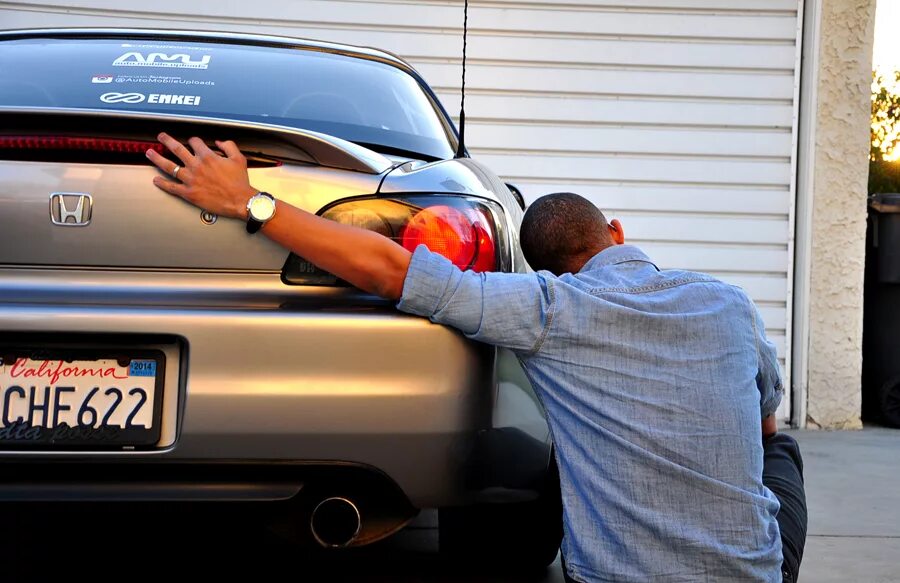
(617, 232)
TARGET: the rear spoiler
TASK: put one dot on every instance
(321, 149)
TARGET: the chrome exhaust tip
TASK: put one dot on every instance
(335, 522)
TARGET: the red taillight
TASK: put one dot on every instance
(81, 144)
(454, 234)
(486, 259)
(461, 229)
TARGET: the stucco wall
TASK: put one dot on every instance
(838, 226)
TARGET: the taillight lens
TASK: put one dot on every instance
(462, 237)
(467, 231)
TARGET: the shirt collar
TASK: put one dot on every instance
(614, 255)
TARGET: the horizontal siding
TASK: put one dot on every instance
(675, 116)
(642, 140)
(643, 169)
(702, 85)
(770, 232)
(525, 19)
(552, 105)
(711, 6)
(669, 198)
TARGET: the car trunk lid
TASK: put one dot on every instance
(97, 207)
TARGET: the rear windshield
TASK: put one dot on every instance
(359, 100)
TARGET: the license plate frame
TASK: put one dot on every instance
(109, 438)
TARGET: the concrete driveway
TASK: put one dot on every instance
(853, 493)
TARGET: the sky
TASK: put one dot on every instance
(887, 36)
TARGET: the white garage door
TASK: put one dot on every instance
(676, 116)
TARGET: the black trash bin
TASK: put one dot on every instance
(881, 312)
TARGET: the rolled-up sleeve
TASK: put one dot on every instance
(512, 310)
(768, 376)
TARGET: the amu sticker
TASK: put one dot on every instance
(183, 61)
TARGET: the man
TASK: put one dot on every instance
(659, 386)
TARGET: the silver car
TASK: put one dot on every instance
(174, 357)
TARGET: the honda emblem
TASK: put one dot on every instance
(70, 209)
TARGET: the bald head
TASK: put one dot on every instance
(561, 231)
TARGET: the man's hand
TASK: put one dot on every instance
(769, 426)
(218, 184)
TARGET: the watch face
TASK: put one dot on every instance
(262, 208)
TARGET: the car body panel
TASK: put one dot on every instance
(268, 372)
(147, 227)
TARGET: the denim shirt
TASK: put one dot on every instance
(654, 384)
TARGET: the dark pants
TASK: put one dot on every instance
(783, 475)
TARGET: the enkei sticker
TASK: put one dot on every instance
(180, 60)
(163, 98)
(158, 98)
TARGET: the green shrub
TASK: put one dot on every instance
(884, 176)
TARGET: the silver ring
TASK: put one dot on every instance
(175, 172)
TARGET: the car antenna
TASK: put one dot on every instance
(461, 148)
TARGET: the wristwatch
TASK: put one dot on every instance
(260, 210)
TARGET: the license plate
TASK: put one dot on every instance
(63, 400)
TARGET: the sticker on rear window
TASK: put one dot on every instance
(157, 80)
(180, 60)
(158, 98)
(142, 368)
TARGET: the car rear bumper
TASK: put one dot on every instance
(364, 386)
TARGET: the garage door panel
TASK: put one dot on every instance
(395, 15)
(698, 229)
(630, 53)
(566, 109)
(662, 200)
(718, 6)
(710, 85)
(633, 140)
(649, 169)
(709, 258)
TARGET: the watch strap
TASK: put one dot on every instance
(253, 225)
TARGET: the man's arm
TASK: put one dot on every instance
(512, 310)
(221, 185)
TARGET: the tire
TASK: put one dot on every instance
(889, 402)
(522, 536)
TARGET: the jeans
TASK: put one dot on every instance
(783, 475)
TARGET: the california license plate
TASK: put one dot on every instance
(80, 400)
